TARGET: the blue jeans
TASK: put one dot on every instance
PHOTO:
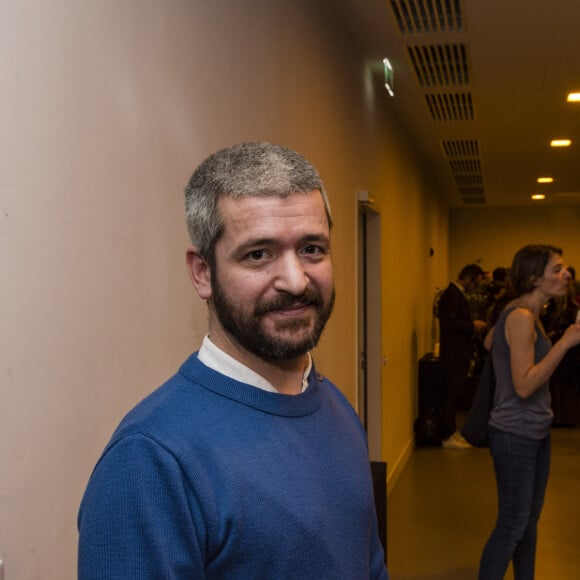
(521, 468)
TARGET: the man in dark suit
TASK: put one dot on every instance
(457, 330)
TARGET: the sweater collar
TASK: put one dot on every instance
(300, 405)
(218, 360)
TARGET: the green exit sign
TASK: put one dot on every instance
(389, 75)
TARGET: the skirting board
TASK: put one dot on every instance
(399, 466)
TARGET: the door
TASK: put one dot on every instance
(369, 327)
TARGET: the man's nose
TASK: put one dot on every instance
(290, 275)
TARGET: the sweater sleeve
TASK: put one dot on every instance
(135, 519)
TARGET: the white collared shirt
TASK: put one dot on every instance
(215, 358)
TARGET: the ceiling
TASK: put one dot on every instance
(480, 87)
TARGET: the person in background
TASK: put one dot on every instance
(500, 274)
(247, 463)
(558, 314)
(478, 297)
(575, 283)
(519, 426)
(498, 295)
(457, 331)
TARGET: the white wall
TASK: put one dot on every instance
(106, 107)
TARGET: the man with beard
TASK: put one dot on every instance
(247, 463)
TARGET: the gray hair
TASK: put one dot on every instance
(246, 169)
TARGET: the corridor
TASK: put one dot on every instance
(443, 508)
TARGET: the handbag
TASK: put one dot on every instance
(475, 429)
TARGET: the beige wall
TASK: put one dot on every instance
(493, 235)
(105, 110)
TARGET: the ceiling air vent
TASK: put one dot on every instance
(465, 165)
(440, 65)
(469, 184)
(474, 200)
(450, 106)
(422, 16)
(463, 148)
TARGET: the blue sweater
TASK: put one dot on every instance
(212, 478)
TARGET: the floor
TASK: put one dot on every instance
(443, 508)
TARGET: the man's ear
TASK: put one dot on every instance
(199, 272)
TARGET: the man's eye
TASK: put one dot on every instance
(312, 250)
(257, 255)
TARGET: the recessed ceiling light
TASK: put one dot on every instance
(545, 180)
(538, 196)
(560, 143)
(573, 97)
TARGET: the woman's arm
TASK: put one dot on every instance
(520, 332)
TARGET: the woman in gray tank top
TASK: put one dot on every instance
(519, 425)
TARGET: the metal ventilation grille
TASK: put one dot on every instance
(461, 149)
(465, 166)
(470, 184)
(450, 106)
(440, 65)
(421, 16)
(479, 200)
(464, 162)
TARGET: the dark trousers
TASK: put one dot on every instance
(455, 378)
(521, 468)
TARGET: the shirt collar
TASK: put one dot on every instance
(215, 358)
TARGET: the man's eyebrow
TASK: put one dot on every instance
(254, 242)
(259, 242)
(275, 241)
(315, 238)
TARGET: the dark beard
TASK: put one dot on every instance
(248, 331)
